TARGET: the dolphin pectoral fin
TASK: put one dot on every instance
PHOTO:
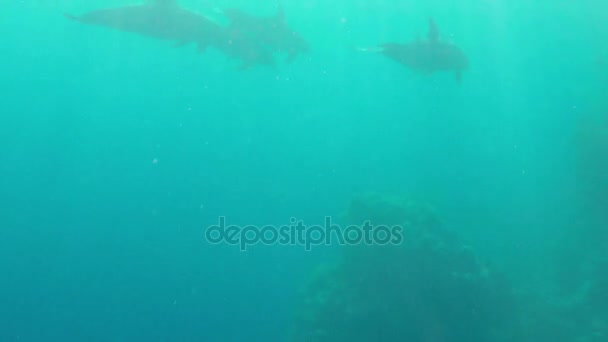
(180, 43)
(245, 66)
(458, 76)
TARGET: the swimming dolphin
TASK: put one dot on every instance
(161, 19)
(270, 33)
(430, 55)
(165, 19)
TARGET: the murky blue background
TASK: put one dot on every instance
(116, 151)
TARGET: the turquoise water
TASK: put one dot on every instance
(118, 151)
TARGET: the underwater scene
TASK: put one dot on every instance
(304, 170)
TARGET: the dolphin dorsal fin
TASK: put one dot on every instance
(433, 35)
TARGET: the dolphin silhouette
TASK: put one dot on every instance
(271, 33)
(161, 19)
(165, 19)
(430, 55)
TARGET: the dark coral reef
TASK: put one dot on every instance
(433, 288)
(428, 288)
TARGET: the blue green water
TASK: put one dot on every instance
(117, 151)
